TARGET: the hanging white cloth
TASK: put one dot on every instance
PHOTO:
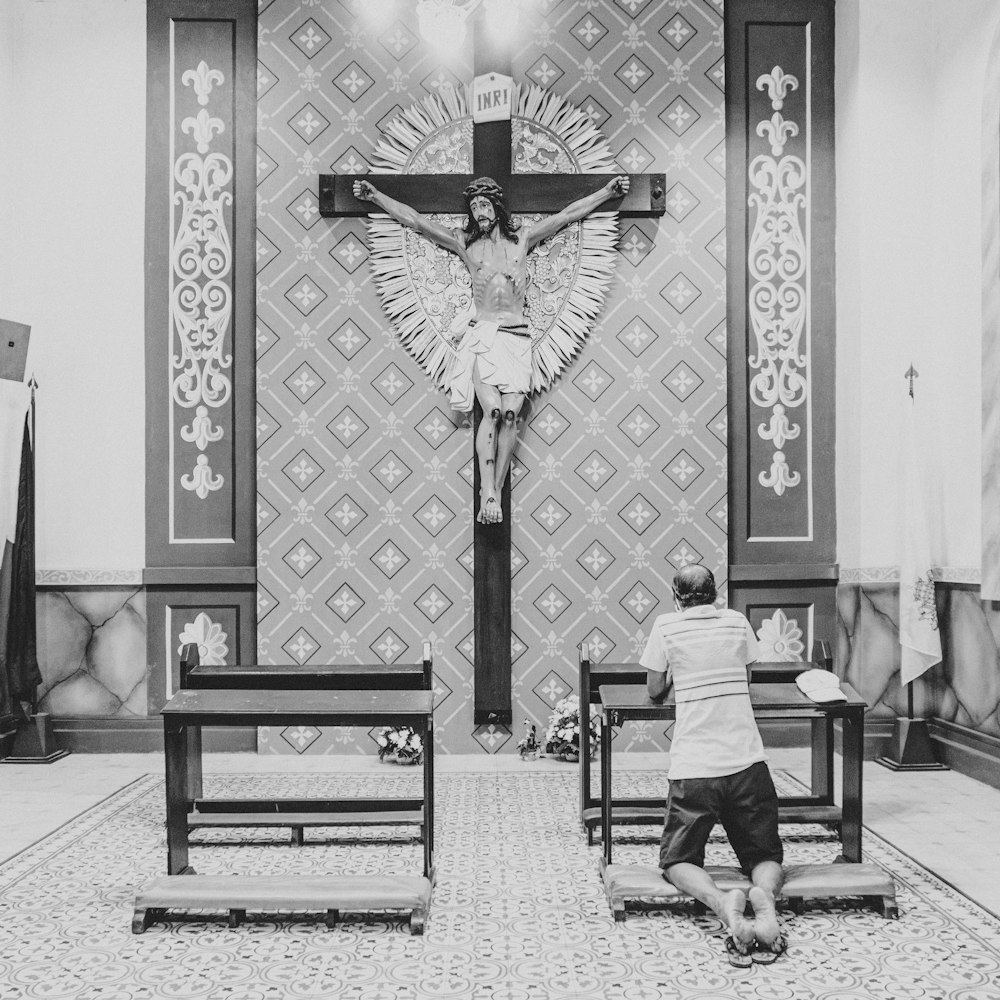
(15, 398)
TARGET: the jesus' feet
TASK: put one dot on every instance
(490, 511)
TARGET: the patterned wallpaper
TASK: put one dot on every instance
(364, 472)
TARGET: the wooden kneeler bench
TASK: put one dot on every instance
(330, 894)
(822, 881)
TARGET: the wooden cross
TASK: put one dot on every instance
(523, 193)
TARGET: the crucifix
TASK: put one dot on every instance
(644, 195)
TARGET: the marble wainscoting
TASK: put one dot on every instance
(961, 694)
(92, 651)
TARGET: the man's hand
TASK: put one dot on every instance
(657, 684)
(364, 190)
(619, 186)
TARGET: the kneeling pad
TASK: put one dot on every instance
(647, 882)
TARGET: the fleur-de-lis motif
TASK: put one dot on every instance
(203, 128)
(596, 600)
(597, 512)
(345, 644)
(390, 513)
(392, 425)
(779, 478)
(777, 83)
(389, 601)
(778, 429)
(639, 556)
(302, 600)
(638, 380)
(684, 423)
(433, 557)
(550, 468)
(201, 481)
(346, 557)
(305, 336)
(347, 468)
(303, 424)
(200, 431)
(436, 469)
(777, 131)
(349, 380)
(553, 644)
(552, 557)
(303, 511)
(202, 79)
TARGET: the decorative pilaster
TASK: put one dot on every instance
(780, 247)
(200, 240)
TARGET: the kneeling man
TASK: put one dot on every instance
(718, 770)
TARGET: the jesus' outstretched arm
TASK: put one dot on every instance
(577, 210)
(410, 217)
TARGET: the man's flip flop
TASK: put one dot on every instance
(738, 958)
(764, 954)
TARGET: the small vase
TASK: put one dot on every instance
(570, 756)
(528, 754)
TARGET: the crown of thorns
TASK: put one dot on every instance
(484, 187)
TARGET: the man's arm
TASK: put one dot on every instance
(657, 684)
(577, 210)
(406, 216)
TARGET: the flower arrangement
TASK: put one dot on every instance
(529, 746)
(400, 746)
(562, 738)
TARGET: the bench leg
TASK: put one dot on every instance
(141, 919)
(618, 910)
(236, 917)
(884, 905)
(417, 919)
(298, 836)
(332, 916)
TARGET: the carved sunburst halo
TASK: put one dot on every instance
(423, 287)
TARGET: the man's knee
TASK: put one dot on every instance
(495, 415)
(509, 417)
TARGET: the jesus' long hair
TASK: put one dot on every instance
(508, 228)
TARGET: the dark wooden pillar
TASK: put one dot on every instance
(781, 312)
(201, 557)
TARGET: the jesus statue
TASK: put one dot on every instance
(491, 359)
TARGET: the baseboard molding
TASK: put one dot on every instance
(974, 754)
(83, 735)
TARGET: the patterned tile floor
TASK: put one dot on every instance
(518, 912)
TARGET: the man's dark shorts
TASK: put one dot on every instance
(746, 805)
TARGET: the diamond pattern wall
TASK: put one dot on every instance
(364, 472)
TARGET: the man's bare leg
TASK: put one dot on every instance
(510, 407)
(490, 511)
(727, 906)
(768, 878)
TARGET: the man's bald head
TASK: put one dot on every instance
(694, 585)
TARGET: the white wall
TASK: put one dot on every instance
(72, 168)
(909, 99)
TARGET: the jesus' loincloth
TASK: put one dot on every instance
(503, 354)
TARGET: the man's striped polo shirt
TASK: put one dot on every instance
(705, 651)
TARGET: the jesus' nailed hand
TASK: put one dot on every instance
(492, 353)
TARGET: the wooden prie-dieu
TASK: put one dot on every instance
(276, 695)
